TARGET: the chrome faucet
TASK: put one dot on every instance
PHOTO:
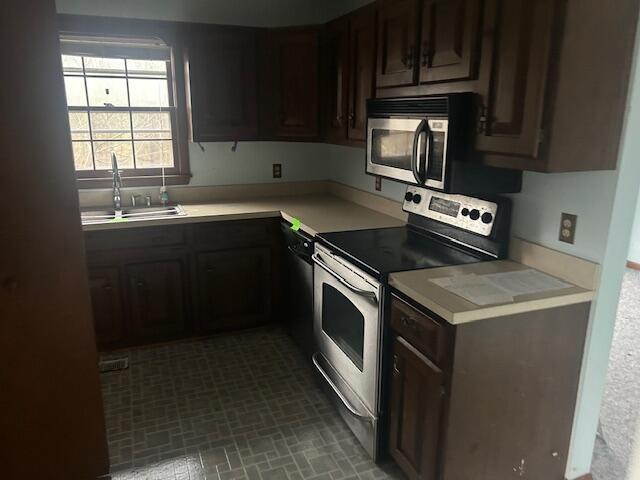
(117, 182)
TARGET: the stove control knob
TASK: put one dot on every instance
(417, 198)
(474, 214)
(408, 196)
(465, 212)
(487, 218)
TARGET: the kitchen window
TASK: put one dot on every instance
(122, 99)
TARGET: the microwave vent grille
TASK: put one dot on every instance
(427, 106)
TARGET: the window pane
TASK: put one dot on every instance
(110, 125)
(79, 123)
(104, 66)
(82, 155)
(123, 151)
(74, 87)
(107, 92)
(154, 154)
(72, 64)
(147, 68)
(148, 93)
(150, 125)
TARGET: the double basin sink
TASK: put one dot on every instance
(107, 215)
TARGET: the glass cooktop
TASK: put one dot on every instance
(386, 250)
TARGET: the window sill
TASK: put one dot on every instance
(142, 181)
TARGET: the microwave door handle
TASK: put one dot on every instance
(415, 154)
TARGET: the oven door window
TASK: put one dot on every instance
(392, 148)
(343, 323)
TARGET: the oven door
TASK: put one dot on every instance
(397, 148)
(347, 328)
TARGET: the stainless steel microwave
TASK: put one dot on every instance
(428, 141)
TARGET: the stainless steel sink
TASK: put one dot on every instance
(130, 214)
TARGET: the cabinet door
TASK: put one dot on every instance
(223, 84)
(235, 289)
(293, 64)
(337, 77)
(362, 48)
(417, 400)
(397, 43)
(513, 102)
(106, 302)
(156, 297)
(450, 39)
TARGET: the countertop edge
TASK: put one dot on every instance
(494, 311)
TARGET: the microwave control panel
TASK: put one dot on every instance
(467, 213)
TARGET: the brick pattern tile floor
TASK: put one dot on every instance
(241, 406)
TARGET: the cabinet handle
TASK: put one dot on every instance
(396, 369)
(107, 287)
(352, 120)
(482, 121)
(410, 56)
(408, 322)
(426, 55)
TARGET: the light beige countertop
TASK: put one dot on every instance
(456, 310)
(318, 213)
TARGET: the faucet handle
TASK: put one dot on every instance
(134, 199)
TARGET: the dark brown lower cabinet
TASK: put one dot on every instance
(151, 284)
(157, 299)
(417, 399)
(106, 301)
(487, 400)
(234, 289)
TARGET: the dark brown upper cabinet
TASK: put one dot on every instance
(291, 87)
(397, 42)
(511, 111)
(550, 102)
(362, 69)
(449, 39)
(222, 82)
(336, 61)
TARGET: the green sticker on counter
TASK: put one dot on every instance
(118, 220)
(295, 224)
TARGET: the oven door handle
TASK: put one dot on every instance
(365, 293)
(337, 391)
(423, 127)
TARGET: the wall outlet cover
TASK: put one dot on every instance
(568, 228)
(277, 170)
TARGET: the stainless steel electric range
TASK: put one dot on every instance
(350, 291)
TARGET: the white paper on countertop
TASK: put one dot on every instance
(523, 282)
(474, 288)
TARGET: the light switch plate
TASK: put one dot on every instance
(277, 170)
(378, 183)
(568, 228)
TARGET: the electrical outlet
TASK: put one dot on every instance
(568, 228)
(277, 170)
(378, 183)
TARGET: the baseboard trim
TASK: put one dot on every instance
(633, 265)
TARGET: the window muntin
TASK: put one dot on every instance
(121, 105)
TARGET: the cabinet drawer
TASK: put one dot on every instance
(425, 333)
(220, 235)
(134, 238)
